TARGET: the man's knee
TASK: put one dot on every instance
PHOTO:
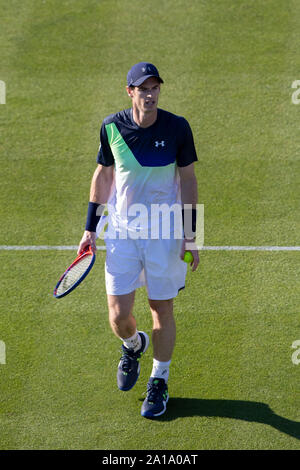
(161, 307)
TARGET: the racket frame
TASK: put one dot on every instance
(81, 255)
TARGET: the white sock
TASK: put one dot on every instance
(160, 370)
(134, 342)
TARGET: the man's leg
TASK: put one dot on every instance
(163, 338)
(164, 329)
(135, 343)
(121, 319)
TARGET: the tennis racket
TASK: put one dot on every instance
(75, 273)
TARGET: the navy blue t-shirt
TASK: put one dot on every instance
(168, 140)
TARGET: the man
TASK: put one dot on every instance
(145, 159)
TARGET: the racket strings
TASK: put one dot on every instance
(74, 274)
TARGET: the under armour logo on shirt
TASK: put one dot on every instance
(162, 143)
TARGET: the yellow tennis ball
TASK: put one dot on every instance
(188, 257)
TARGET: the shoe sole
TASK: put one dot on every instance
(150, 415)
(139, 366)
(147, 341)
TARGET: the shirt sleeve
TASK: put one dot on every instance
(105, 156)
(186, 153)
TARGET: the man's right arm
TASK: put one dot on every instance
(99, 193)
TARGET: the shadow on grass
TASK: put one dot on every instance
(234, 409)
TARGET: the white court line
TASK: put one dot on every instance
(42, 247)
(250, 248)
(103, 248)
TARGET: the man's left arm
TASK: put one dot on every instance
(189, 195)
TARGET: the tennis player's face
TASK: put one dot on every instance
(145, 96)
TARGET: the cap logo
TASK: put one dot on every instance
(148, 69)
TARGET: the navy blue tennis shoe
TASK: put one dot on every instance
(129, 365)
(155, 403)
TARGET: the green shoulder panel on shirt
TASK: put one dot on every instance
(121, 152)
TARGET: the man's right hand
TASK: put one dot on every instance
(89, 238)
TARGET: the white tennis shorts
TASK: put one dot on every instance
(155, 264)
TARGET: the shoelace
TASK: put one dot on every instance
(127, 358)
(153, 392)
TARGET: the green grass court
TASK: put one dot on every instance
(228, 67)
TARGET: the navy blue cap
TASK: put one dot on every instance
(140, 72)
